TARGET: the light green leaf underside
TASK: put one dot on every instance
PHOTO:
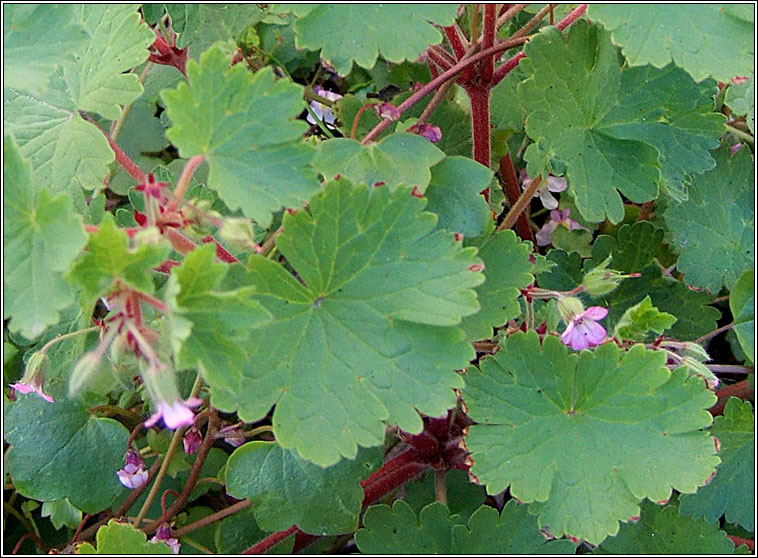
(661, 530)
(607, 126)
(122, 538)
(286, 489)
(398, 159)
(741, 99)
(732, 490)
(637, 424)
(742, 305)
(41, 238)
(367, 337)
(707, 40)
(397, 530)
(348, 33)
(714, 230)
(244, 125)
(65, 151)
(59, 450)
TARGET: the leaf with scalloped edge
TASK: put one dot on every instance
(741, 99)
(366, 334)
(397, 159)
(714, 230)
(507, 270)
(348, 33)
(66, 151)
(613, 130)
(662, 530)
(286, 489)
(742, 306)
(638, 320)
(209, 327)
(122, 538)
(732, 490)
(244, 124)
(110, 259)
(397, 530)
(707, 40)
(42, 236)
(584, 437)
(60, 450)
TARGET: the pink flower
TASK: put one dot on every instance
(557, 217)
(429, 131)
(387, 111)
(163, 534)
(34, 386)
(176, 414)
(552, 184)
(134, 474)
(323, 112)
(583, 331)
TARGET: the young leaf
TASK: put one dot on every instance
(709, 40)
(348, 33)
(209, 327)
(714, 230)
(108, 258)
(584, 437)
(732, 490)
(397, 530)
(59, 450)
(122, 538)
(507, 269)
(61, 513)
(661, 530)
(285, 489)
(364, 336)
(41, 238)
(65, 151)
(454, 195)
(397, 159)
(742, 305)
(613, 130)
(640, 319)
(243, 124)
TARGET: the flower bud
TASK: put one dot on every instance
(601, 281)
(36, 367)
(569, 307)
(83, 372)
(235, 229)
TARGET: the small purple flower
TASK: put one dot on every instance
(176, 414)
(552, 184)
(387, 111)
(557, 217)
(192, 440)
(34, 386)
(430, 132)
(735, 148)
(323, 112)
(583, 331)
(233, 435)
(134, 474)
(163, 534)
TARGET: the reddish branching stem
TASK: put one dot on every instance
(123, 159)
(487, 66)
(740, 389)
(513, 192)
(739, 541)
(221, 253)
(270, 541)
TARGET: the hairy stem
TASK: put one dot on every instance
(184, 180)
(270, 541)
(210, 519)
(520, 204)
(740, 134)
(513, 193)
(740, 389)
(440, 489)
(487, 66)
(715, 332)
(123, 159)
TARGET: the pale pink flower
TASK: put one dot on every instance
(134, 474)
(557, 217)
(34, 386)
(552, 184)
(323, 112)
(163, 534)
(176, 414)
(583, 331)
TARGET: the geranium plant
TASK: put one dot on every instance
(378, 278)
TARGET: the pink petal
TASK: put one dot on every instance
(594, 313)
(545, 234)
(23, 388)
(177, 415)
(556, 184)
(593, 332)
(548, 201)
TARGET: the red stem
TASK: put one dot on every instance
(740, 541)
(152, 301)
(122, 158)
(357, 118)
(506, 68)
(270, 541)
(459, 49)
(438, 59)
(480, 125)
(572, 16)
(130, 231)
(166, 266)
(179, 242)
(513, 192)
(221, 253)
(487, 66)
(740, 389)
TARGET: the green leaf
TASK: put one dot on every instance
(201, 25)
(65, 151)
(364, 337)
(348, 33)
(122, 538)
(62, 512)
(208, 327)
(244, 125)
(453, 121)
(741, 99)
(59, 450)
(41, 238)
(506, 112)
(36, 39)
(709, 40)
(463, 496)
(237, 532)
(397, 159)
(640, 319)
(577, 240)
(714, 230)
(109, 258)
(285, 489)
(742, 305)
(454, 195)
(661, 530)
(732, 490)
(584, 437)
(397, 530)
(507, 269)
(613, 129)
